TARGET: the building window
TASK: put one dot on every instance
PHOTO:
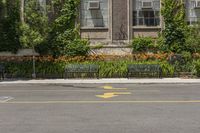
(146, 13)
(193, 12)
(92, 17)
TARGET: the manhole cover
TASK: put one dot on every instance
(5, 98)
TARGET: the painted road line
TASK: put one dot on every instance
(112, 94)
(20, 91)
(95, 102)
(122, 93)
(106, 95)
(112, 88)
(52, 91)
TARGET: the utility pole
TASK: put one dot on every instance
(34, 72)
(23, 22)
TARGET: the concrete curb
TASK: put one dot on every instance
(105, 81)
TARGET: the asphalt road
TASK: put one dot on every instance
(100, 108)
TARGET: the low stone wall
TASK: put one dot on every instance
(21, 52)
(117, 48)
(112, 51)
(111, 47)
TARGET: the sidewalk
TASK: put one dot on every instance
(105, 81)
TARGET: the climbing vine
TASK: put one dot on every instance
(64, 37)
(173, 12)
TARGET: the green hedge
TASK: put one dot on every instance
(196, 67)
(108, 69)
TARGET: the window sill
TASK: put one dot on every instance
(94, 28)
(146, 27)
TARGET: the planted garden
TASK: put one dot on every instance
(51, 30)
(110, 66)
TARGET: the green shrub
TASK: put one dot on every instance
(142, 44)
(167, 69)
(25, 69)
(113, 69)
(193, 38)
(196, 68)
(19, 69)
(187, 56)
(76, 47)
(108, 69)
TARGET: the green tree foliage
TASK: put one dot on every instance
(34, 30)
(30, 38)
(173, 12)
(9, 21)
(50, 29)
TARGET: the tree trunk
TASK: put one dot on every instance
(22, 11)
(4, 9)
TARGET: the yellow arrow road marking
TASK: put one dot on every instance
(112, 88)
(112, 94)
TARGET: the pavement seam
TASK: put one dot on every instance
(95, 102)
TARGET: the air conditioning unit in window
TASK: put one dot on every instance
(147, 5)
(197, 4)
(93, 5)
